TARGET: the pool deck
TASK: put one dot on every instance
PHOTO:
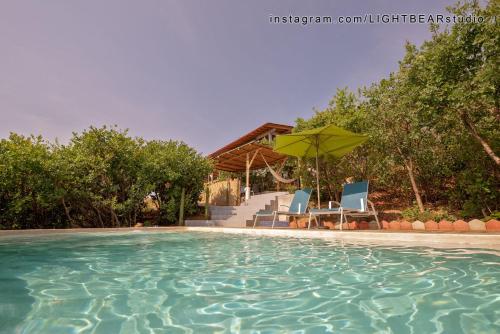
(371, 237)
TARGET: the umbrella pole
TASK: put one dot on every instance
(317, 176)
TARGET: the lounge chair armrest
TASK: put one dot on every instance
(330, 204)
(286, 206)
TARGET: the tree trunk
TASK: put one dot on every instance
(114, 217)
(328, 184)
(158, 203)
(207, 199)
(66, 211)
(472, 129)
(99, 216)
(181, 207)
(409, 167)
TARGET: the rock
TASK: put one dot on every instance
(405, 225)
(493, 225)
(477, 225)
(445, 225)
(431, 225)
(345, 226)
(372, 225)
(364, 225)
(353, 225)
(460, 226)
(139, 225)
(418, 225)
(385, 224)
(329, 225)
(302, 224)
(394, 225)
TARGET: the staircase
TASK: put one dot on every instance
(239, 216)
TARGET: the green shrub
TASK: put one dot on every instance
(99, 179)
(413, 213)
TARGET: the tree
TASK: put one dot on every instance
(459, 74)
(99, 179)
(26, 193)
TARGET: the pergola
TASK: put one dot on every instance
(248, 152)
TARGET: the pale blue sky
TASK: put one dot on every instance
(204, 72)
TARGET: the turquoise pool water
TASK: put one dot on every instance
(210, 282)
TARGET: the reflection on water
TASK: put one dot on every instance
(195, 282)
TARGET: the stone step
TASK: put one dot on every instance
(220, 217)
(237, 216)
(267, 223)
(223, 209)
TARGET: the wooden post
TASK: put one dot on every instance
(300, 173)
(248, 165)
(181, 207)
(228, 190)
(238, 191)
(247, 187)
(280, 169)
(317, 173)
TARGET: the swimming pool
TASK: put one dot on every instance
(212, 282)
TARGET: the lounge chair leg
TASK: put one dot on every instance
(255, 221)
(376, 219)
(317, 222)
(274, 219)
(341, 219)
(375, 214)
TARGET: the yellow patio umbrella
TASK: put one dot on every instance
(327, 140)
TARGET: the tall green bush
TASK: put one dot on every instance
(99, 179)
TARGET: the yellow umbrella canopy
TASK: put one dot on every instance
(327, 140)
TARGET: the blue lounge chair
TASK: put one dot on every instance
(354, 203)
(297, 208)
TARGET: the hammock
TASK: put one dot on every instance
(275, 174)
